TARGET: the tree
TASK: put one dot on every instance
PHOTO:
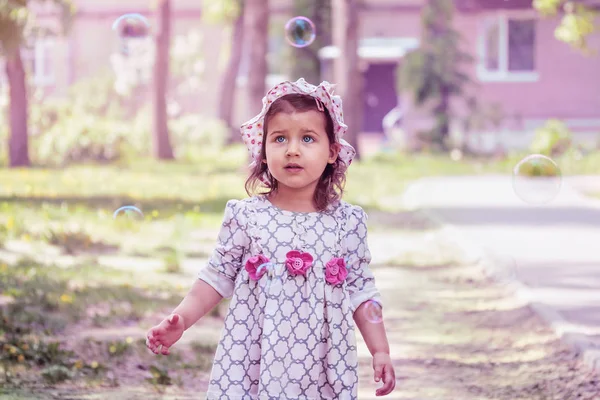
(162, 149)
(229, 11)
(577, 23)
(432, 74)
(305, 61)
(347, 73)
(258, 32)
(16, 26)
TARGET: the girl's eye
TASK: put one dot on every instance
(310, 139)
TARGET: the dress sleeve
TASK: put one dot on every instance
(232, 242)
(360, 280)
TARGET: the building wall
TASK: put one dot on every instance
(568, 86)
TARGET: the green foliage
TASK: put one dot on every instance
(160, 376)
(538, 168)
(94, 124)
(172, 262)
(56, 374)
(88, 125)
(71, 238)
(118, 348)
(218, 12)
(17, 22)
(304, 62)
(187, 63)
(433, 73)
(18, 345)
(577, 23)
(480, 117)
(552, 139)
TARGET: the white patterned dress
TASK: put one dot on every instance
(288, 336)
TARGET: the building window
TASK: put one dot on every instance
(38, 60)
(507, 49)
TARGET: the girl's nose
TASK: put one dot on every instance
(292, 149)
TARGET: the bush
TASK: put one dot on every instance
(56, 374)
(94, 124)
(552, 139)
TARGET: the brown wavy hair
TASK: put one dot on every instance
(330, 187)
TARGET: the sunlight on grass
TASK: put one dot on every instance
(376, 182)
(74, 266)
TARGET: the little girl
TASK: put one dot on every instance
(295, 262)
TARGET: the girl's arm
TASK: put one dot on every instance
(197, 303)
(373, 333)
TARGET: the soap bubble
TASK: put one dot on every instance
(537, 179)
(373, 312)
(133, 31)
(266, 280)
(131, 26)
(131, 213)
(300, 32)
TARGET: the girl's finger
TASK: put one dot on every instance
(152, 348)
(389, 382)
(378, 371)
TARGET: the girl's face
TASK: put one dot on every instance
(297, 149)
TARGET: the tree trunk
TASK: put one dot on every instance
(347, 72)
(258, 14)
(228, 83)
(162, 149)
(18, 146)
(442, 113)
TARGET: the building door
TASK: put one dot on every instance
(379, 95)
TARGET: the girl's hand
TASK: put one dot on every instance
(383, 368)
(165, 334)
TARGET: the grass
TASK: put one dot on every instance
(46, 310)
(176, 187)
(68, 267)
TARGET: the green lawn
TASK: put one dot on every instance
(171, 188)
(67, 265)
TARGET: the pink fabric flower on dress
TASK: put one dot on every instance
(252, 265)
(298, 262)
(336, 271)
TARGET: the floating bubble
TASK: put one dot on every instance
(131, 26)
(128, 212)
(537, 179)
(269, 275)
(265, 266)
(373, 312)
(300, 32)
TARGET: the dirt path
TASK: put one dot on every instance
(454, 335)
(457, 336)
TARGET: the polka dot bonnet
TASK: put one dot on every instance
(252, 130)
